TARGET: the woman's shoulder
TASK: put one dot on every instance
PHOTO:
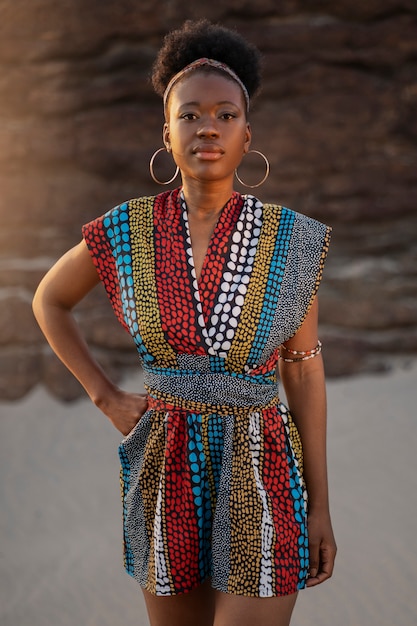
(133, 204)
(303, 237)
(300, 221)
(123, 211)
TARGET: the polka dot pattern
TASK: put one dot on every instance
(124, 487)
(177, 307)
(101, 242)
(211, 476)
(276, 479)
(219, 293)
(301, 277)
(144, 253)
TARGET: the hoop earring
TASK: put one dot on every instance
(160, 182)
(266, 173)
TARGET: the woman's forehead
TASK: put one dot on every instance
(203, 86)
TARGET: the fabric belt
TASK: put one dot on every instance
(160, 401)
(210, 391)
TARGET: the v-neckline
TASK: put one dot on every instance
(231, 204)
(192, 258)
(205, 290)
(220, 301)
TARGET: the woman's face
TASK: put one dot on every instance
(206, 126)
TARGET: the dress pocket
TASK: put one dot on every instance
(130, 435)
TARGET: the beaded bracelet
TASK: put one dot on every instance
(305, 355)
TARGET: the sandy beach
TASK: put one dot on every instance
(60, 520)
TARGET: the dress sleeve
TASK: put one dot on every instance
(311, 246)
(306, 255)
(99, 235)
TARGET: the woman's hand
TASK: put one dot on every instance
(123, 409)
(66, 283)
(322, 548)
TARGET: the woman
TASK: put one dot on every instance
(217, 290)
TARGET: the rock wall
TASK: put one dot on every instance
(337, 119)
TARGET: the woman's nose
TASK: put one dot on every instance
(208, 128)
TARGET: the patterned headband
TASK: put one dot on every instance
(201, 63)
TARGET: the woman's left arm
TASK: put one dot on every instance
(304, 385)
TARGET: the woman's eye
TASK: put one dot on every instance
(188, 116)
(228, 116)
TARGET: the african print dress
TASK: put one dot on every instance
(211, 475)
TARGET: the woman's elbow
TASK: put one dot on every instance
(39, 302)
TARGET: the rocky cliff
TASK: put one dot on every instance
(336, 117)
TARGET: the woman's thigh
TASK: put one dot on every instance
(195, 608)
(233, 610)
(206, 607)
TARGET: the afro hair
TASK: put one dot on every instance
(197, 39)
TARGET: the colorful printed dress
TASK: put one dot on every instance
(211, 475)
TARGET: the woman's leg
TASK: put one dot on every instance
(195, 608)
(205, 607)
(243, 611)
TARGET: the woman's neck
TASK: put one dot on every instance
(206, 202)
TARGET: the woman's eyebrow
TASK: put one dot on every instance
(197, 103)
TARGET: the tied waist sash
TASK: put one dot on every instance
(201, 392)
(166, 402)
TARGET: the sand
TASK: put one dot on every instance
(60, 515)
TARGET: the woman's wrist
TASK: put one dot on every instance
(103, 393)
(318, 498)
(318, 508)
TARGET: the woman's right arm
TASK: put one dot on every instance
(66, 284)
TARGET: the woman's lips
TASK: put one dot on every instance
(208, 153)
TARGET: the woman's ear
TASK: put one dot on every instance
(248, 138)
(166, 137)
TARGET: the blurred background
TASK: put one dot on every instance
(337, 118)
(79, 121)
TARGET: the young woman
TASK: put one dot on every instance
(219, 294)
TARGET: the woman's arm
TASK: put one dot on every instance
(68, 282)
(304, 386)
